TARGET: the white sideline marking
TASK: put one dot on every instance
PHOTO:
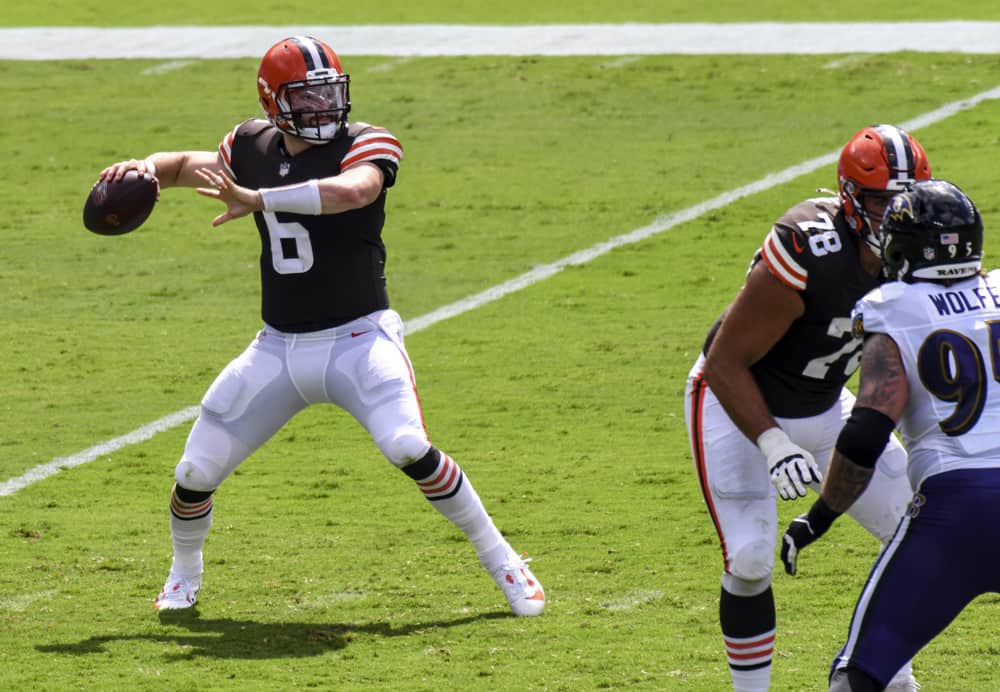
(539, 273)
(695, 38)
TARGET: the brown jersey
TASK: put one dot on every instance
(812, 249)
(319, 271)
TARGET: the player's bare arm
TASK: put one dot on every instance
(170, 168)
(883, 393)
(757, 319)
(844, 483)
(883, 384)
(354, 188)
(883, 388)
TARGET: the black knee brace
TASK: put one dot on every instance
(424, 466)
(191, 496)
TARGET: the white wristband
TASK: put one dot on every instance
(303, 198)
(150, 167)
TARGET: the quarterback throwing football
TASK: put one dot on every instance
(316, 187)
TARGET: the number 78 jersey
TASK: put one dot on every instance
(812, 250)
(949, 340)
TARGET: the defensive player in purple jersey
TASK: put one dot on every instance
(930, 365)
(767, 397)
(316, 186)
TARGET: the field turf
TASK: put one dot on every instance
(562, 401)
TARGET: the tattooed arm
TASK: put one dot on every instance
(884, 390)
(881, 398)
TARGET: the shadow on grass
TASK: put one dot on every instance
(254, 640)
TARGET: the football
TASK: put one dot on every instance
(114, 208)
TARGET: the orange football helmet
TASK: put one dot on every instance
(303, 89)
(880, 161)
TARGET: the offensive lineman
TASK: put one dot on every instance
(930, 365)
(316, 186)
(767, 396)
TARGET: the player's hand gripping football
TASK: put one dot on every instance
(792, 468)
(116, 171)
(239, 200)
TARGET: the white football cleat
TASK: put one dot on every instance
(178, 593)
(523, 591)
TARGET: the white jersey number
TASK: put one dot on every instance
(822, 243)
(291, 249)
(819, 367)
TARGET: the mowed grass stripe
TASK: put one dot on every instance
(494, 293)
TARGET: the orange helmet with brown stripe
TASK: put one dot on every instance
(875, 164)
(303, 89)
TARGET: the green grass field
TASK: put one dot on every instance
(563, 401)
(300, 12)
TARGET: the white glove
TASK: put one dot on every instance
(792, 468)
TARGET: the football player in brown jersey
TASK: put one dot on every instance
(316, 187)
(767, 397)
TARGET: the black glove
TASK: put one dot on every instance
(803, 530)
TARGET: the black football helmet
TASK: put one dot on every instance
(932, 232)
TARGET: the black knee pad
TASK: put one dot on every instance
(425, 466)
(191, 496)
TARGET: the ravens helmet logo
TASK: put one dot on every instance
(901, 209)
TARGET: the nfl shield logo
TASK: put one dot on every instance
(284, 168)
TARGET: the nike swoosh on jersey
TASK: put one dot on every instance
(798, 248)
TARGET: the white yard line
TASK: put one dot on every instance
(176, 42)
(539, 273)
(142, 434)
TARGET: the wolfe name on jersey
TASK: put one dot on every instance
(812, 250)
(948, 338)
(347, 246)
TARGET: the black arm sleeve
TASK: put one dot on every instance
(864, 436)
